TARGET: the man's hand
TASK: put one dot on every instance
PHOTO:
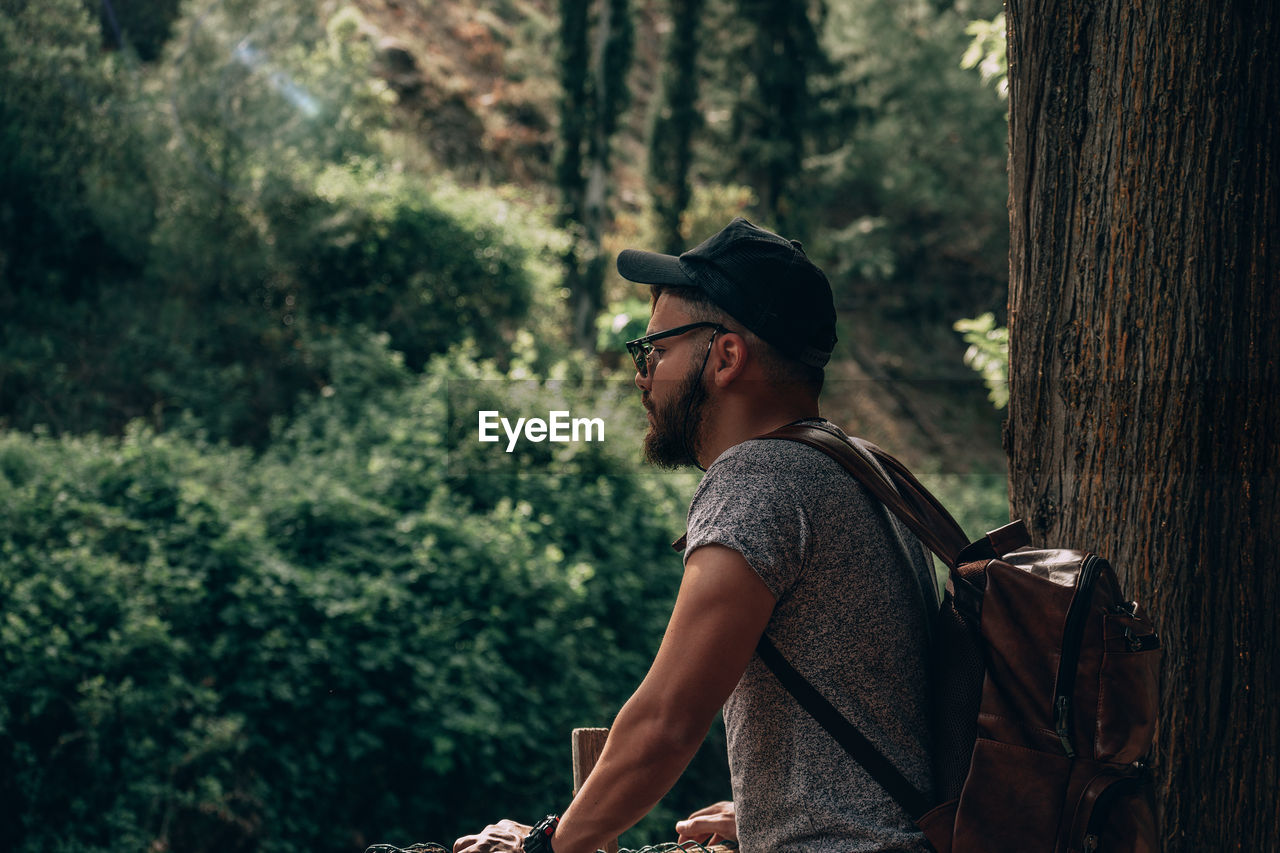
(505, 835)
(710, 825)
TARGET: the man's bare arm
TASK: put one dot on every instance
(720, 613)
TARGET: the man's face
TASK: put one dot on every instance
(675, 395)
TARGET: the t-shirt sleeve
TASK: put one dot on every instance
(745, 503)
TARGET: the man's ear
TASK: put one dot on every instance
(729, 358)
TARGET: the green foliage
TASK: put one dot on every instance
(624, 321)
(988, 52)
(914, 186)
(207, 236)
(139, 25)
(859, 131)
(378, 249)
(263, 87)
(379, 629)
(63, 141)
(712, 207)
(73, 199)
(988, 354)
(767, 58)
(978, 501)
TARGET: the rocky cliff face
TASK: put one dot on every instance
(475, 81)
(478, 85)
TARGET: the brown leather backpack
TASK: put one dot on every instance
(1045, 686)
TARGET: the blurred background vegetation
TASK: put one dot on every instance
(261, 262)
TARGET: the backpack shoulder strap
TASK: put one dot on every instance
(900, 491)
(861, 750)
(903, 494)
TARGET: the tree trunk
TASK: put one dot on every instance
(590, 295)
(774, 113)
(675, 119)
(1144, 385)
(593, 77)
(574, 58)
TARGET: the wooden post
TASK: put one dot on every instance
(587, 746)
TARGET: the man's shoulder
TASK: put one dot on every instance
(760, 470)
(776, 457)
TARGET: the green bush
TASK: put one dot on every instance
(384, 251)
(377, 629)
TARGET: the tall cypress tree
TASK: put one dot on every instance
(674, 122)
(593, 70)
(771, 57)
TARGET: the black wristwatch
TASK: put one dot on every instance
(539, 838)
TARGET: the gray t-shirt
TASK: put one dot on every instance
(852, 586)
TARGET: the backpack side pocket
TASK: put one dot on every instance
(1113, 812)
(1128, 683)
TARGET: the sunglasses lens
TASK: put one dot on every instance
(640, 359)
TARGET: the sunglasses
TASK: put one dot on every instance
(641, 349)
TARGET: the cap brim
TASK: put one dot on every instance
(652, 268)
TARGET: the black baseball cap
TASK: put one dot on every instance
(763, 281)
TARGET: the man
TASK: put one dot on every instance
(780, 540)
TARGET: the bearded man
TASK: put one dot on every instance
(781, 541)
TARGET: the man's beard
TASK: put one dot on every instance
(672, 440)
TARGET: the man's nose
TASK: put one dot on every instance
(642, 382)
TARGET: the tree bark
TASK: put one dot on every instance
(1144, 386)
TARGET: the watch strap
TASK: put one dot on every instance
(539, 838)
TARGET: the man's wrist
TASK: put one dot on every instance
(539, 838)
